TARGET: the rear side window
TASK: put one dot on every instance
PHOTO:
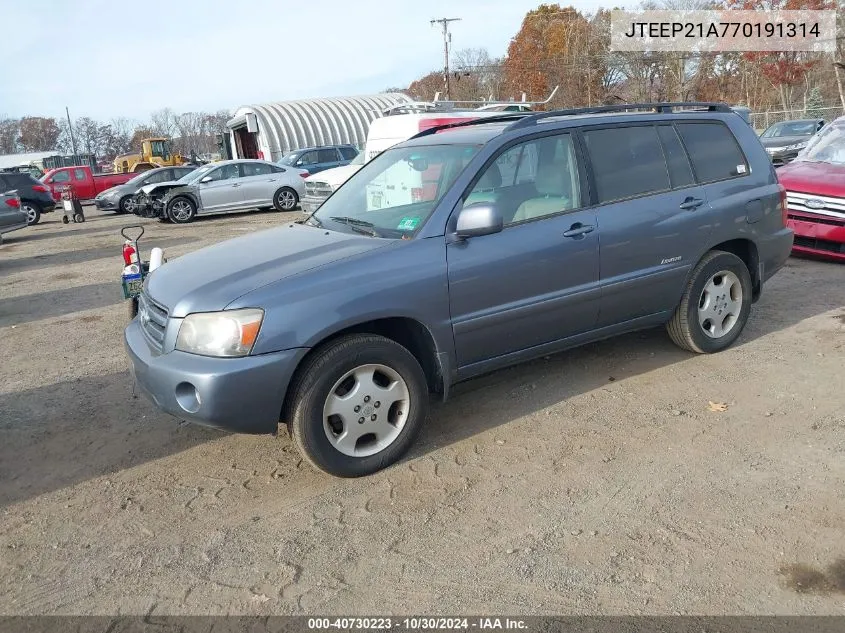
(680, 173)
(627, 162)
(348, 153)
(19, 181)
(79, 174)
(713, 150)
(327, 155)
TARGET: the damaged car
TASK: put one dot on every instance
(232, 185)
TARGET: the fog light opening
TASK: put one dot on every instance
(188, 397)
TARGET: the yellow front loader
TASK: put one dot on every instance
(155, 152)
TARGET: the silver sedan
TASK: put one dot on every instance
(231, 185)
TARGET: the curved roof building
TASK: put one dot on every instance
(273, 129)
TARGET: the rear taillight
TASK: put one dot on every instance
(40, 188)
(13, 202)
(783, 208)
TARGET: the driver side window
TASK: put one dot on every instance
(227, 172)
(530, 180)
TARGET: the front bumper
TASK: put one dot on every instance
(310, 204)
(242, 395)
(820, 235)
(106, 204)
(782, 157)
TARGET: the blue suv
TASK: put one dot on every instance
(450, 255)
(316, 159)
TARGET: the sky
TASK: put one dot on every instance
(105, 59)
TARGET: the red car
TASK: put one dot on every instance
(815, 194)
(86, 185)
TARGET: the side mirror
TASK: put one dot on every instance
(479, 219)
(206, 179)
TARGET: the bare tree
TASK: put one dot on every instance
(88, 134)
(163, 122)
(9, 132)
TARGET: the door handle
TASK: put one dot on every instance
(236, 185)
(271, 180)
(691, 203)
(578, 230)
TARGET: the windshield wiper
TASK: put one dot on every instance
(312, 218)
(359, 226)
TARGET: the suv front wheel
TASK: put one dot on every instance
(357, 405)
(715, 305)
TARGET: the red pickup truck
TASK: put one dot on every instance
(86, 185)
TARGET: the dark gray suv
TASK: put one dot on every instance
(465, 249)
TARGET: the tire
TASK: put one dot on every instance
(125, 205)
(78, 217)
(318, 434)
(285, 199)
(715, 306)
(65, 220)
(181, 210)
(33, 212)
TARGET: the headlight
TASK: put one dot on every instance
(796, 146)
(228, 333)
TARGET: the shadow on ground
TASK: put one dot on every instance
(69, 258)
(48, 445)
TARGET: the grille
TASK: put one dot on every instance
(318, 189)
(820, 245)
(817, 220)
(819, 205)
(153, 318)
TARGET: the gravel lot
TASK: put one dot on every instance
(602, 480)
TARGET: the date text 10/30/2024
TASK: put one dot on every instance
(417, 624)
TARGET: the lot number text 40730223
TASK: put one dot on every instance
(417, 624)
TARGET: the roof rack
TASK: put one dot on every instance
(526, 119)
(660, 107)
(440, 105)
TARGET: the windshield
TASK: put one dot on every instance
(393, 195)
(289, 159)
(828, 146)
(791, 128)
(137, 179)
(196, 173)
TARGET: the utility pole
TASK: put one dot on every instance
(447, 40)
(72, 140)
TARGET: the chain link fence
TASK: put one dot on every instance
(762, 120)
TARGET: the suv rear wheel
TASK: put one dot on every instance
(33, 212)
(715, 305)
(357, 405)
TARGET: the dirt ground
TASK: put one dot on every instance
(599, 481)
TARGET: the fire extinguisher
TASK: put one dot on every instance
(130, 253)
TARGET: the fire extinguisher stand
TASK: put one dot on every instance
(134, 270)
(72, 206)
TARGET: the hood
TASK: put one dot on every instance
(211, 278)
(161, 185)
(112, 190)
(823, 179)
(783, 141)
(335, 176)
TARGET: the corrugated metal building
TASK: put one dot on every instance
(272, 130)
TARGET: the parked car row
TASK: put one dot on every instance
(221, 187)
